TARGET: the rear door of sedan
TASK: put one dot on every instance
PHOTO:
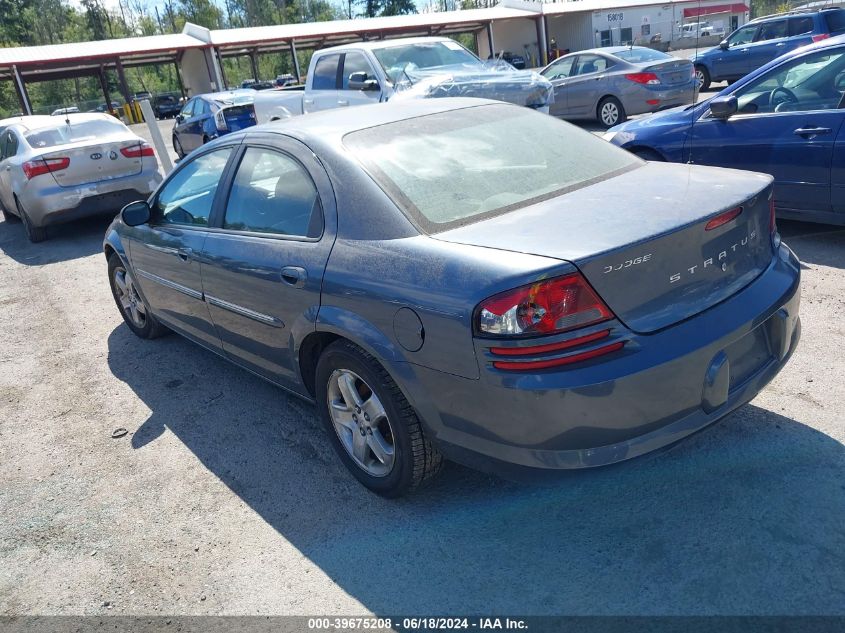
(263, 264)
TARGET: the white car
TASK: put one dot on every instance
(701, 29)
(55, 170)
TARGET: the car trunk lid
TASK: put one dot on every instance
(642, 239)
(672, 72)
(91, 162)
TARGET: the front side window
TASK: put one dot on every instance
(187, 111)
(355, 63)
(8, 145)
(816, 82)
(460, 166)
(745, 35)
(561, 69)
(272, 193)
(188, 196)
(325, 73)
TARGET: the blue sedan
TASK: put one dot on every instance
(205, 117)
(466, 279)
(784, 119)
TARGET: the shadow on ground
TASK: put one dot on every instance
(746, 517)
(64, 241)
(821, 244)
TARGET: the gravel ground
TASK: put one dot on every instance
(225, 497)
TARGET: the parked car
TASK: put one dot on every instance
(423, 67)
(611, 83)
(144, 94)
(285, 80)
(206, 117)
(762, 40)
(104, 107)
(54, 172)
(466, 279)
(517, 61)
(784, 119)
(700, 29)
(63, 111)
(166, 106)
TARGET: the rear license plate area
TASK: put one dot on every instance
(749, 354)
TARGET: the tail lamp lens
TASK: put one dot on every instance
(41, 166)
(137, 151)
(546, 307)
(820, 37)
(220, 120)
(649, 79)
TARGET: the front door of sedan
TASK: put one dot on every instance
(558, 73)
(787, 122)
(584, 87)
(263, 271)
(165, 253)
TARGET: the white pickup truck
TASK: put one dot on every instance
(425, 67)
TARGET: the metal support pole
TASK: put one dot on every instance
(104, 85)
(20, 88)
(295, 62)
(124, 89)
(490, 39)
(253, 61)
(218, 68)
(181, 83)
(541, 40)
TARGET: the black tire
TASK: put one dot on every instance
(610, 112)
(416, 459)
(8, 216)
(177, 147)
(34, 233)
(703, 76)
(648, 154)
(151, 328)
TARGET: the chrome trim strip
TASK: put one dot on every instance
(170, 284)
(250, 314)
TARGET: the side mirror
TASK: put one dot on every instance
(359, 81)
(724, 45)
(723, 107)
(136, 213)
(179, 118)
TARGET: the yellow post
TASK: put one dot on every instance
(127, 110)
(139, 115)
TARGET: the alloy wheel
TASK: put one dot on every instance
(127, 295)
(361, 423)
(609, 113)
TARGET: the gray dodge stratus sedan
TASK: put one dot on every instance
(468, 280)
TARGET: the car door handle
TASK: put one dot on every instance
(810, 132)
(342, 102)
(294, 276)
(308, 101)
(185, 253)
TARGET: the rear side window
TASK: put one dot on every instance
(590, 64)
(772, 30)
(460, 166)
(325, 73)
(272, 193)
(187, 198)
(835, 21)
(800, 26)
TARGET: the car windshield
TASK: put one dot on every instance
(638, 54)
(421, 56)
(457, 167)
(65, 134)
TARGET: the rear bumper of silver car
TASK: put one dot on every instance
(663, 387)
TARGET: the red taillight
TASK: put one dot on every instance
(557, 362)
(820, 37)
(41, 166)
(545, 307)
(550, 347)
(652, 102)
(724, 218)
(643, 78)
(137, 151)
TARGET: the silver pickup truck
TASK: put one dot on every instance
(424, 67)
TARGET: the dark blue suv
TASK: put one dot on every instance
(762, 40)
(205, 117)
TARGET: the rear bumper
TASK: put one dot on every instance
(662, 99)
(52, 204)
(659, 389)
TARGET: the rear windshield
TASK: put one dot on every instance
(637, 55)
(65, 134)
(835, 21)
(457, 167)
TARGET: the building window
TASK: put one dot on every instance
(627, 36)
(606, 38)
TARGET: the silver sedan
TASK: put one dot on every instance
(608, 84)
(58, 169)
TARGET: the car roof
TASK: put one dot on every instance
(797, 13)
(332, 125)
(227, 94)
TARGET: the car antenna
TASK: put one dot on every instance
(691, 137)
